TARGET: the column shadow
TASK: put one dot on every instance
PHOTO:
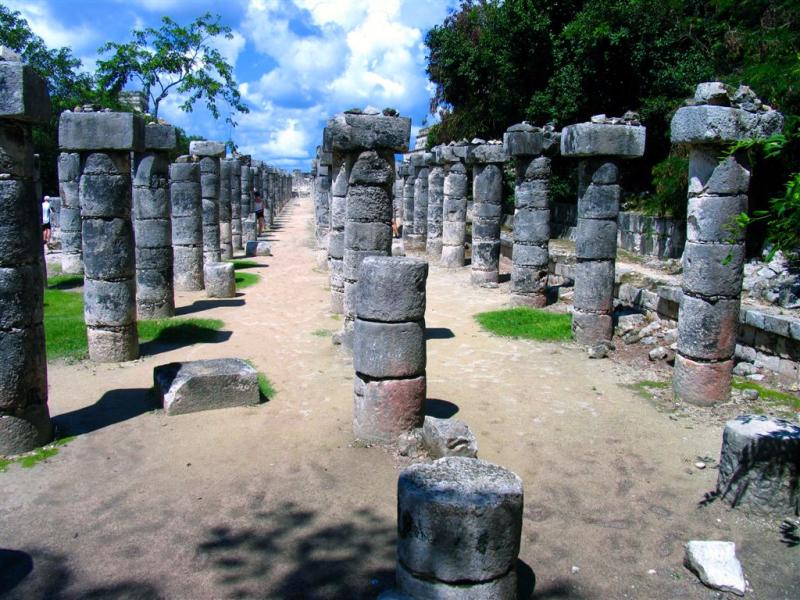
(441, 409)
(115, 406)
(201, 305)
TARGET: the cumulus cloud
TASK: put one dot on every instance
(330, 55)
(44, 23)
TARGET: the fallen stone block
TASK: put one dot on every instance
(716, 565)
(448, 437)
(185, 387)
(256, 248)
(220, 279)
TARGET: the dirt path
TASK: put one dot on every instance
(274, 501)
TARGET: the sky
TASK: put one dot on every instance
(297, 62)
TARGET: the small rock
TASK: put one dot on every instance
(626, 323)
(490, 285)
(409, 443)
(712, 92)
(750, 395)
(597, 351)
(744, 368)
(371, 110)
(756, 377)
(575, 569)
(651, 572)
(716, 565)
(658, 353)
(650, 340)
(671, 336)
(598, 119)
(700, 465)
(448, 437)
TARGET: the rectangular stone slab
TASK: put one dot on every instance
(23, 94)
(350, 132)
(101, 131)
(206, 385)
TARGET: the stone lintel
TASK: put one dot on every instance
(23, 94)
(207, 148)
(712, 124)
(159, 137)
(356, 132)
(101, 131)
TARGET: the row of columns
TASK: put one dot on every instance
(430, 203)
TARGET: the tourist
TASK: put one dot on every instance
(46, 220)
(258, 206)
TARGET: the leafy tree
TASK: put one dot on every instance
(66, 83)
(174, 58)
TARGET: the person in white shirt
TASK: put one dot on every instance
(258, 208)
(46, 219)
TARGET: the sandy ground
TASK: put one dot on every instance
(275, 501)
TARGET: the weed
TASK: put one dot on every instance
(645, 388)
(322, 333)
(769, 395)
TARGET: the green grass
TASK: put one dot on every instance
(170, 331)
(336, 317)
(244, 280)
(527, 323)
(243, 263)
(322, 333)
(767, 394)
(33, 458)
(645, 388)
(265, 386)
(64, 330)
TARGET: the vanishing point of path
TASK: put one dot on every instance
(275, 501)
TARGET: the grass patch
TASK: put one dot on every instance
(527, 323)
(171, 331)
(243, 263)
(244, 280)
(336, 317)
(33, 458)
(767, 394)
(322, 333)
(265, 386)
(64, 330)
(645, 388)
(4, 462)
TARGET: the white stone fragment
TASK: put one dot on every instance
(716, 565)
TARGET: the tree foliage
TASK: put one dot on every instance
(174, 58)
(497, 62)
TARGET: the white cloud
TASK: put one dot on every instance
(44, 23)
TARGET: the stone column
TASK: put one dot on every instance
(341, 174)
(389, 348)
(24, 417)
(226, 243)
(433, 246)
(152, 224)
(407, 173)
(187, 224)
(531, 254)
(454, 204)
(370, 141)
(273, 208)
(248, 219)
(105, 141)
(397, 198)
(322, 209)
(487, 190)
(236, 205)
(69, 170)
(599, 145)
(209, 154)
(459, 523)
(418, 239)
(714, 255)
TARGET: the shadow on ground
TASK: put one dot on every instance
(201, 305)
(41, 575)
(113, 407)
(439, 333)
(289, 552)
(181, 335)
(441, 409)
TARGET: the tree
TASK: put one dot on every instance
(174, 58)
(66, 84)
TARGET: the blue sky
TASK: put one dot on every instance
(297, 61)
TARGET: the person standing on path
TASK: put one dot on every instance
(258, 208)
(46, 220)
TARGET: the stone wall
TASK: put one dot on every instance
(651, 236)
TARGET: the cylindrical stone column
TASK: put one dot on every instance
(208, 154)
(459, 523)
(152, 225)
(418, 239)
(322, 210)
(487, 191)
(225, 240)
(368, 223)
(272, 209)
(598, 144)
(69, 170)
(433, 246)
(341, 170)
(187, 224)
(397, 198)
(109, 287)
(236, 205)
(407, 173)
(454, 205)
(389, 348)
(248, 219)
(713, 259)
(24, 416)
(531, 255)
